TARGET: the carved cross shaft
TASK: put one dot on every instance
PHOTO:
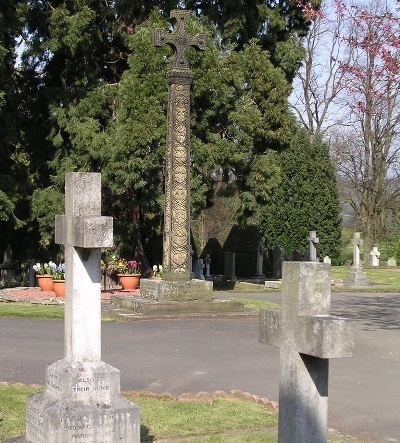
(307, 336)
(179, 39)
(84, 232)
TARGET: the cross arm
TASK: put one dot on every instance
(325, 336)
(86, 232)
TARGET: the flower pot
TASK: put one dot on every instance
(59, 288)
(129, 282)
(45, 282)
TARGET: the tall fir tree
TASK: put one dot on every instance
(306, 199)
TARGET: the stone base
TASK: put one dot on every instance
(356, 277)
(161, 290)
(81, 402)
(153, 307)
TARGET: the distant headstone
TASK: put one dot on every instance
(327, 260)
(230, 265)
(296, 256)
(278, 256)
(200, 269)
(82, 401)
(308, 337)
(375, 254)
(207, 262)
(356, 276)
(191, 255)
(260, 260)
(8, 266)
(392, 262)
(312, 240)
(32, 274)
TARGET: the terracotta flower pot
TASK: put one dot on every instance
(129, 282)
(59, 288)
(45, 282)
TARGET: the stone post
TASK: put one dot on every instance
(308, 337)
(82, 400)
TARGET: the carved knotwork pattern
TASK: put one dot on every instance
(177, 221)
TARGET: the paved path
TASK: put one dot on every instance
(192, 355)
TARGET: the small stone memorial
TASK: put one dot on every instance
(82, 401)
(375, 254)
(230, 266)
(356, 276)
(308, 337)
(392, 262)
(207, 262)
(327, 260)
(278, 256)
(260, 261)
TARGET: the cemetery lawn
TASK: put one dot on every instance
(382, 279)
(215, 420)
(28, 310)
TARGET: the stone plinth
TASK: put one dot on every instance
(356, 277)
(161, 290)
(81, 403)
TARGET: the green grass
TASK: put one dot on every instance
(31, 310)
(215, 420)
(381, 279)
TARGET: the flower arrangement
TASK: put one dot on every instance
(59, 273)
(123, 266)
(45, 268)
(157, 271)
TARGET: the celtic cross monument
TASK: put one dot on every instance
(176, 254)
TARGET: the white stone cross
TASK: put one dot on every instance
(375, 256)
(313, 240)
(308, 337)
(357, 242)
(84, 232)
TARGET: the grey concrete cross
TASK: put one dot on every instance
(84, 232)
(308, 337)
(82, 400)
(176, 255)
(313, 240)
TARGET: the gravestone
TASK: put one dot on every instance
(312, 240)
(191, 255)
(296, 256)
(260, 260)
(200, 269)
(278, 256)
(375, 254)
(230, 266)
(327, 260)
(8, 267)
(82, 401)
(31, 273)
(356, 276)
(392, 262)
(308, 337)
(207, 262)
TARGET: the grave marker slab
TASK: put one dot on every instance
(278, 256)
(82, 401)
(230, 265)
(307, 336)
(392, 262)
(260, 260)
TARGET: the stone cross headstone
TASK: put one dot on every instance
(357, 242)
(82, 400)
(230, 265)
(313, 240)
(308, 337)
(207, 261)
(176, 254)
(278, 256)
(260, 260)
(375, 254)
